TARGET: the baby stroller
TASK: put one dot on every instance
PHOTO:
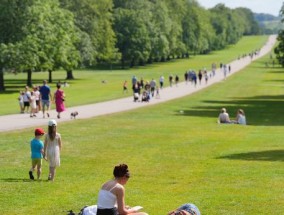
(136, 97)
(145, 96)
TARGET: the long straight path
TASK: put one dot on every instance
(20, 121)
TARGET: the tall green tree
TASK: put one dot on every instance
(132, 18)
(11, 22)
(94, 21)
(279, 50)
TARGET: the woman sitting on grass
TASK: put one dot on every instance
(111, 195)
(241, 118)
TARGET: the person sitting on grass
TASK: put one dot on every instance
(240, 118)
(36, 153)
(224, 117)
(186, 209)
(112, 193)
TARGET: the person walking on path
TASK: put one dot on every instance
(200, 77)
(32, 105)
(36, 153)
(177, 80)
(45, 93)
(26, 98)
(152, 87)
(21, 101)
(59, 98)
(52, 148)
(162, 79)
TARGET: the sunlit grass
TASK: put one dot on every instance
(174, 157)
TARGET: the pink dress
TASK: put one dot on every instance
(59, 101)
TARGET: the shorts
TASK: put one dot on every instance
(26, 104)
(45, 103)
(36, 162)
(108, 211)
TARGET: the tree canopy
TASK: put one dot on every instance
(48, 35)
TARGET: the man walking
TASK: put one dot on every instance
(45, 94)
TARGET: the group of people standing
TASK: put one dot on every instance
(40, 99)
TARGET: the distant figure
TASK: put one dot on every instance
(186, 77)
(21, 101)
(200, 76)
(46, 98)
(162, 82)
(158, 93)
(59, 98)
(224, 116)
(32, 105)
(26, 98)
(125, 90)
(152, 87)
(176, 80)
(241, 118)
(171, 80)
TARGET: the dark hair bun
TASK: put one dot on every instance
(121, 170)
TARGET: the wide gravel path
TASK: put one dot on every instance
(20, 121)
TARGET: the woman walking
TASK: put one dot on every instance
(59, 97)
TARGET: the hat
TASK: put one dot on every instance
(39, 131)
(52, 122)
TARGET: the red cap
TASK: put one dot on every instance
(39, 131)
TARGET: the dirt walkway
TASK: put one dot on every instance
(20, 121)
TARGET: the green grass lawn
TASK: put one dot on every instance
(174, 158)
(87, 87)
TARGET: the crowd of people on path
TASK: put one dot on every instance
(144, 91)
(40, 99)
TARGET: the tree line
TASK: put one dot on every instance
(48, 35)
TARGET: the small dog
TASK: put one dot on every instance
(74, 114)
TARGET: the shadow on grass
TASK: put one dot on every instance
(260, 110)
(273, 155)
(20, 180)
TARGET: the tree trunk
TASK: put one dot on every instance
(122, 63)
(69, 75)
(2, 85)
(29, 78)
(49, 76)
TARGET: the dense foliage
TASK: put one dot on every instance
(279, 50)
(47, 35)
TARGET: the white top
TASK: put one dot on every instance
(106, 199)
(242, 119)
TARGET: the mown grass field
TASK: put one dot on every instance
(88, 88)
(174, 157)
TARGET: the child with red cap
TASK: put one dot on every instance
(36, 153)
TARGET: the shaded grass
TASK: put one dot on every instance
(174, 158)
(88, 88)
